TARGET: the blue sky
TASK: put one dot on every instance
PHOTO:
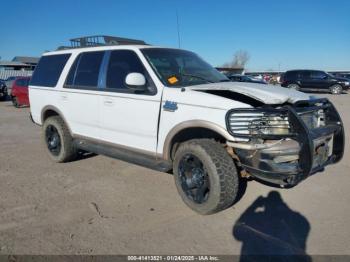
(285, 34)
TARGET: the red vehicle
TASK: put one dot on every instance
(19, 92)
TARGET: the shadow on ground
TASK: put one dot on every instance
(269, 228)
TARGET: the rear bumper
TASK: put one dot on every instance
(292, 159)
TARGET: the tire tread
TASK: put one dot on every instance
(225, 168)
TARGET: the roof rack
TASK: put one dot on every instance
(100, 40)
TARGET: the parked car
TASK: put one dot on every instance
(9, 82)
(315, 80)
(257, 76)
(245, 78)
(167, 109)
(19, 93)
(3, 90)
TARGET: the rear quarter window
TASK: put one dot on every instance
(49, 70)
(291, 75)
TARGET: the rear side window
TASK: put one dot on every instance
(85, 70)
(318, 75)
(305, 74)
(292, 75)
(49, 70)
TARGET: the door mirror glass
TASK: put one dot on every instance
(136, 81)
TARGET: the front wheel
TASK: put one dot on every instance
(336, 89)
(205, 176)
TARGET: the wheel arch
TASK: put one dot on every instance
(49, 111)
(191, 130)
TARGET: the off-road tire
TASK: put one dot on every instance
(68, 151)
(221, 170)
(336, 89)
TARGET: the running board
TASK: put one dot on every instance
(123, 154)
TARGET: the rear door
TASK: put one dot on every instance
(80, 96)
(129, 118)
(304, 80)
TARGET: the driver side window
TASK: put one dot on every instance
(121, 63)
(318, 75)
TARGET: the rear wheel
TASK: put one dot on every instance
(336, 89)
(294, 86)
(205, 176)
(58, 140)
(15, 102)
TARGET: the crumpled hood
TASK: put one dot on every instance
(268, 94)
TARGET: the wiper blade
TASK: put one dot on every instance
(198, 77)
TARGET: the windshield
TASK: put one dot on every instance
(179, 68)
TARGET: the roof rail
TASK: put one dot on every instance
(100, 40)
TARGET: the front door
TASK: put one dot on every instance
(318, 80)
(128, 117)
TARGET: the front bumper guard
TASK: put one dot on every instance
(299, 154)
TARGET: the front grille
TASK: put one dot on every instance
(274, 123)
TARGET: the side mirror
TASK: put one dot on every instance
(136, 81)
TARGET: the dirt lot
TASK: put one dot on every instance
(100, 205)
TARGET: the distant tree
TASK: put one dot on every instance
(240, 59)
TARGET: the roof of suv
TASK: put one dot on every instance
(98, 48)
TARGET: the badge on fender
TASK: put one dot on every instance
(170, 106)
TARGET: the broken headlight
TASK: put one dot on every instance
(255, 122)
(269, 125)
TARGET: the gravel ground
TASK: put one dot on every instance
(100, 205)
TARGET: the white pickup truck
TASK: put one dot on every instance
(169, 110)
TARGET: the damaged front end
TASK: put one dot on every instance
(286, 144)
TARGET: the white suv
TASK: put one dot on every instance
(167, 109)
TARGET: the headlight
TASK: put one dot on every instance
(258, 123)
(269, 125)
(347, 83)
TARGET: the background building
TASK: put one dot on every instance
(19, 66)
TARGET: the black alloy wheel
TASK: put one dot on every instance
(53, 140)
(194, 178)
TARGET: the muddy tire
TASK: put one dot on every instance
(58, 141)
(205, 176)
